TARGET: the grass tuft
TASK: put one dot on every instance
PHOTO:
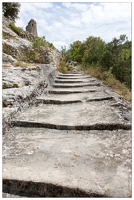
(14, 28)
(63, 68)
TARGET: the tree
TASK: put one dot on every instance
(63, 50)
(93, 50)
(114, 57)
(75, 51)
(11, 10)
(120, 59)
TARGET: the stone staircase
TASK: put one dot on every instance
(74, 142)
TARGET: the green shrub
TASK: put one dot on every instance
(51, 46)
(14, 28)
(39, 42)
(109, 80)
(30, 55)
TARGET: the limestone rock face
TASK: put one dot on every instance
(7, 58)
(21, 47)
(17, 47)
(22, 79)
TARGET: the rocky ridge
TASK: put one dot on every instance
(23, 77)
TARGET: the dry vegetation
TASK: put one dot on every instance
(110, 81)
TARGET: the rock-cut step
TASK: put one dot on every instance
(67, 85)
(80, 116)
(73, 77)
(52, 163)
(80, 80)
(71, 91)
(73, 98)
(79, 89)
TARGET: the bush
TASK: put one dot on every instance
(109, 80)
(11, 10)
(14, 28)
(51, 45)
(39, 42)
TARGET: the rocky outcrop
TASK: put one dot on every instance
(21, 80)
(9, 33)
(21, 48)
(21, 85)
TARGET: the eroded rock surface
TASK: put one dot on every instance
(21, 85)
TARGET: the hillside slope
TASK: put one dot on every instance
(25, 70)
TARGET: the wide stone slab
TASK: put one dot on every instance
(53, 163)
(73, 77)
(67, 85)
(80, 116)
(76, 90)
(73, 98)
(77, 80)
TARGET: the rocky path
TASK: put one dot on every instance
(74, 142)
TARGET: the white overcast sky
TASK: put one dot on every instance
(63, 23)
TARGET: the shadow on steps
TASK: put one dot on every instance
(39, 189)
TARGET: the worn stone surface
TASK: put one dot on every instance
(93, 161)
(80, 148)
(75, 97)
(21, 85)
(82, 115)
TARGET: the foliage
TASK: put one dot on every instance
(40, 41)
(51, 45)
(14, 28)
(63, 51)
(114, 56)
(109, 80)
(10, 10)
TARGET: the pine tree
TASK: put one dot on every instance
(10, 10)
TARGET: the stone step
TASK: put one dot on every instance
(69, 91)
(53, 163)
(81, 116)
(63, 81)
(73, 98)
(83, 89)
(54, 101)
(66, 85)
(73, 77)
(74, 142)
